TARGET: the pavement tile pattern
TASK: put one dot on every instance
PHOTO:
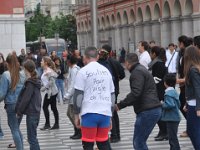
(59, 139)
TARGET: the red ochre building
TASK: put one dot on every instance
(12, 27)
(123, 23)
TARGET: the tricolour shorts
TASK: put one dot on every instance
(95, 127)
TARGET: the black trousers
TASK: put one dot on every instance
(162, 128)
(52, 102)
(183, 101)
(172, 129)
(115, 131)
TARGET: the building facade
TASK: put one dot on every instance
(30, 6)
(123, 23)
(12, 26)
(55, 7)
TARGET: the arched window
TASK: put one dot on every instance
(166, 10)
(140, 16)
(132, 16)
(102, 23)
(125, 18)
(113, 19)
(156, 12)
(107, 21)
(148, 13)
(188, 7)
(177, 8)
(119, 21)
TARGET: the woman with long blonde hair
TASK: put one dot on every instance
(11, 84)
(192, 94)
(49, 86)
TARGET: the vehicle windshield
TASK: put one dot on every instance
(59, 48)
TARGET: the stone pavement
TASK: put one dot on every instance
(59, 139)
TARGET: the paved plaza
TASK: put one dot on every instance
(59, 139)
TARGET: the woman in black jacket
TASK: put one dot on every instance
(29, 103)
(158, 69)
(192, 86)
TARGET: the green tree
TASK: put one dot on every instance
(40, 25)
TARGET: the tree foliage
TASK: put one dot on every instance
(41, 25)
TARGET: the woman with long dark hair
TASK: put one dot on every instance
(158, 69)
(2, 69)
(29, 103)
(49, 86)
(11, 84)
(192, 94)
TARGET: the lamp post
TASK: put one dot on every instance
(94, 23)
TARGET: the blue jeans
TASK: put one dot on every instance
(60, 86)
(39, 71)
(32, 124)
(13, 123)
(1, 132)
(193, 127)
(144, 124)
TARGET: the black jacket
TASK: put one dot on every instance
(143, 95)
(180, 62)
(193, 86)
(116, 70)
(29, 100)
(159, 70)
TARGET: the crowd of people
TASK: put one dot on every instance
(89, 84)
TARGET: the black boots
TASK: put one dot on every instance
(48, 127)
(77, 134)
(55, 126)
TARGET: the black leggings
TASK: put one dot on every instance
(101, 145)
(52, 102)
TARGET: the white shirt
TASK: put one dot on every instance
(96, 82)
(173, 63)
(70, 83)
(144, 59)
(44, 77)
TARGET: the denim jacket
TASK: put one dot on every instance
(9, 96)
(171, 105)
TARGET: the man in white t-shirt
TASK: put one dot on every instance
(171, 56)
(144, 57)
(94, 100)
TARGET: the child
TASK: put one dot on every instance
(29, 103)
(170, 112)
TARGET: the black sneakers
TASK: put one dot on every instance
(77, 135)
(114, 139)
